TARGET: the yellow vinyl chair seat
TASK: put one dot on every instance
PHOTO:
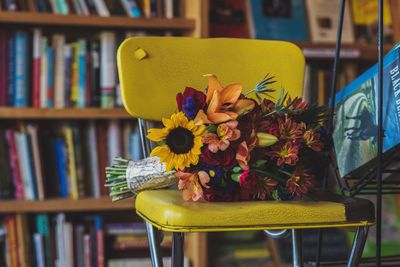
(166, 210)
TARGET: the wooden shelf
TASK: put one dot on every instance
(353, 51)
(67, 113)
(65, 205)
(120, 22)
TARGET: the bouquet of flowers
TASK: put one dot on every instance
(221, 145)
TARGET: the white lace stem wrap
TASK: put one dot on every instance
(148, 173)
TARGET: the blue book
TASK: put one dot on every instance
(61, 167)
(11, 69)
(21, 70)
(50, 76)
(278, 20)
(81, 101)
(356, 117)
(135, 147)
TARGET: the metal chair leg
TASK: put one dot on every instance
(297, 248)
(177, 249)
(154, 244)
(358, 246)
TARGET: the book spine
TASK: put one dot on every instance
(131, 8)
(100, 241)
(3, 69)
(68, 245)
(68, 75)
(13, 241)
(37, 36)
(14, 162)
(95, 74)
(147, 8)
(101, 8)
(43, 228)
(60, 71)
(94, 167)
(87, 250)
(10, 70)
(77, 7)
(79, 246)
(84, 7)
(39, 251)
(23, 152)
(71, 163)
(32, 131)
(50, 77)
(75, 73)
(61, 163)
(43, 73)
(21, 70)
(23, 241)
(81, 101)
(107, 69)
(59, 241)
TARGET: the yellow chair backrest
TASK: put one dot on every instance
(152, 70)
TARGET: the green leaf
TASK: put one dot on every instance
(235, 177)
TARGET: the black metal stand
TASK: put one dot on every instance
(376, 171)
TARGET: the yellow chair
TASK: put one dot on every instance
(153, 69)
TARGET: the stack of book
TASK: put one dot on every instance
(103, 8)
(55, 241)
(65, 160)
(47, 71)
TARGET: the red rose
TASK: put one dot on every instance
(221, 158)
(191, 101)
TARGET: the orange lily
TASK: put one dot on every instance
(223, 103)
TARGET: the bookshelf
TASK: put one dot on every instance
(190, 23)
(96, 22)
(63, 113)
(65, 205)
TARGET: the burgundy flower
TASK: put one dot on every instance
(191, 101)
(248, 183)
(224, 158)
(300, 182)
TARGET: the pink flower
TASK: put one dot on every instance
(226, 132)
(190, 184)
(244, 149)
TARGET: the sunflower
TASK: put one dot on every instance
(180, 142)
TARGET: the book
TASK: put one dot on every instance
(71, 162)
(101, 8)
(81, 83)
(323, 21)
(227, 18)
(107, 69)
(32, 131)
(24, 154)
(356, 117)
(14, 164)
(50, 77)
(37, 37)
(3, 69)
(43, 228)
(279, 20)
(21, 69)
(365, 19)
(61, 160)
(39, 250)
(43, 73)
(59, 70)
(131, 8)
